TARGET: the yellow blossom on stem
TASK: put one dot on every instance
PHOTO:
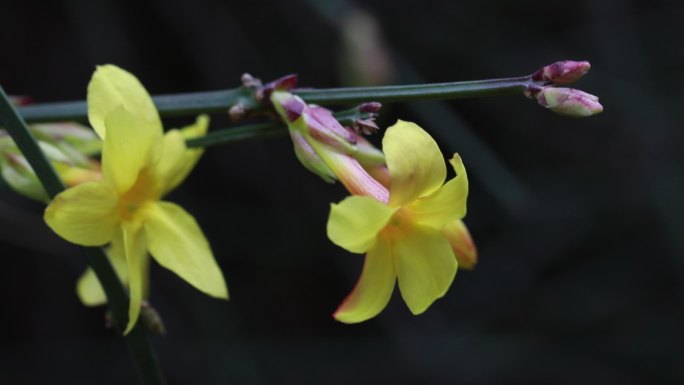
(140, 164)
(403, 238)
(88, 288)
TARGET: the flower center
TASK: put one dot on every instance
(144, 190)
(398, 225)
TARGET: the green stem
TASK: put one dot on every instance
(238, 134)
(138, 343)
(221, 101)
(453, 90)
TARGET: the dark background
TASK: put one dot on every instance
(578, 221)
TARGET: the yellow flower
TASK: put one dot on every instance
(402, 239)
(140, 164)
(88, 288)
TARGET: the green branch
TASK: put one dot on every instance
(138, 343)
(453, 90)
(221, 101)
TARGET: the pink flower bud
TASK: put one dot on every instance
(328, 149)
(284, 83)
(562, 72)
(372, 107)
(289, 106)
(568, 101)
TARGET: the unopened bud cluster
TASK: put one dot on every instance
(561, 100)
(66, 145)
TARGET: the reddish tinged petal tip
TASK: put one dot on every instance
(285, 83)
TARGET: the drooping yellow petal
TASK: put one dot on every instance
(130, 146)
(191, 155)
(85, 214)
(414, 161)
(135, 250)
(446, 204)
(177, 243)
(355, 222)
(425, 265)
(374, 288)
(88, 287)
(112, 87)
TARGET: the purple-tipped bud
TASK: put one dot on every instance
(562, 72)
(290, 107)
(315, 121)
(372, 107)
(568, 101)
(328, 149)
(285, 83)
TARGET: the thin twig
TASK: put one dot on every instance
(221, 101)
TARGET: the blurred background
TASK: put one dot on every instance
(578, 221)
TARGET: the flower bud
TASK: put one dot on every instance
(568, 101)
(462, 243)
(309, 158)
(72, 166)
(152, 319)
(327, 148)
(562, 72)
(370, 107)
(75, 139)
(289, 107)
(20, 177)
(325, 128)
(284, 83)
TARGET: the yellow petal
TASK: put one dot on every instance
(86, 214)
(111, 87)
(177, 243)
(191, 155)
(170, 160)
(446, 204)
(197, 129)
(89, 289)
(414, 161)
(130, 146)
(135, 250)
(355, 222)
(374, 288)
(425, 265)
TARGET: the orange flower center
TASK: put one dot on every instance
(144, 190)
(398, 225)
